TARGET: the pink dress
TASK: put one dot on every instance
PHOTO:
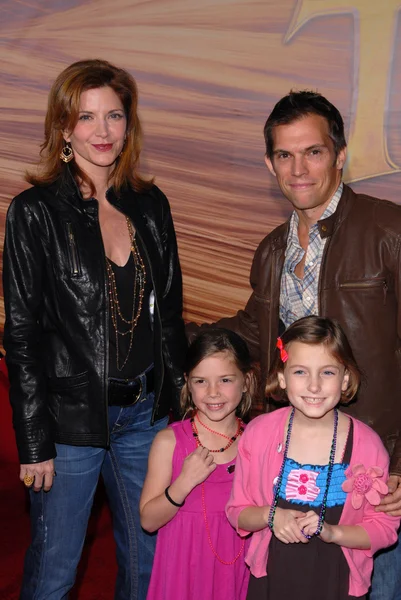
(185, 567)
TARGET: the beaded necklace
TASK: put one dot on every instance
(139, 291)
(240, 430)
(231, 440)
(329, 474)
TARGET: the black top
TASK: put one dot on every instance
(141, 353)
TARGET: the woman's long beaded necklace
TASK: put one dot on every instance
(329, 475)
(239, 432)
(139, 291)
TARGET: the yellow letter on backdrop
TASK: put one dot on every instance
(374, 38)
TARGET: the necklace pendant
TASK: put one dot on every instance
(279, 447)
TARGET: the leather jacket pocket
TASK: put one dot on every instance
(68, 404)
(366, 285)
(57, 384)
(75, 264)
(261, 299)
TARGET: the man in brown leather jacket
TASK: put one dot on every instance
(338, 256)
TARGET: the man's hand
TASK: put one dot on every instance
(391, 503)
(42, 473)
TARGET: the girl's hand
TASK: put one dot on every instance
(197, 467)
(286, 528)
(309, 522)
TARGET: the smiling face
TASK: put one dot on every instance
(98, 137)
(216, 386)
(305, 165)
(313, 379)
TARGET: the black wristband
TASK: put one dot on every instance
(169, 498)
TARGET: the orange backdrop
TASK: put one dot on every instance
(209, 73)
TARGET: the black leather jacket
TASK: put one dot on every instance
(56, 331)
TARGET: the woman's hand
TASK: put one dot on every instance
(309, 523)
(196, 468)
(42, 472)
(286, 528)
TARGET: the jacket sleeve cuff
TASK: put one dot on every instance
(34, 445)
(395, 465)
(233, 514)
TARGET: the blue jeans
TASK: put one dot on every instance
(386, 582)
(60, 517)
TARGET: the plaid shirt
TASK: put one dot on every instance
(299, 297)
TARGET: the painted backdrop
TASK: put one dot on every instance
(209, 73)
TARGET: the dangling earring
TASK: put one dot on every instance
(67, 154)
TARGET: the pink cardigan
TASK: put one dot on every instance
(258, 463)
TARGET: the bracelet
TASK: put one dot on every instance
(169, 498)
(270, 518)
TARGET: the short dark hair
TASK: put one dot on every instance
(212, 341)
(297, 105)
(315, 330)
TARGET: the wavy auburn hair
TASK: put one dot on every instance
(63, 113)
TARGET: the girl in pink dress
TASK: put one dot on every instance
(190, 472)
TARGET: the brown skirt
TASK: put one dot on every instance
(259, 590)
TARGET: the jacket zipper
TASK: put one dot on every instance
(106, 366)
(73, 249)
(322, 264)
(156, 404)
(366, 285)
(270, 312)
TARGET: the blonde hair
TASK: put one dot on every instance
(315, 330)
(214, 341)
(63, 113)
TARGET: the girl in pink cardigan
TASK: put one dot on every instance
(308, 477)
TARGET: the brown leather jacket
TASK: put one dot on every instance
(360, 286)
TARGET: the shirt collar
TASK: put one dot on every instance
(330, 210)
(332, 207)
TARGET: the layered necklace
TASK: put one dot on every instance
(231, 440)
(117, 317)
(322, 513)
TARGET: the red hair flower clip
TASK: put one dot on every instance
(283, 352)
(364, 483)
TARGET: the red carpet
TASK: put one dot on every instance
(97, 570)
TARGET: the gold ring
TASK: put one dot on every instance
(28, 480)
